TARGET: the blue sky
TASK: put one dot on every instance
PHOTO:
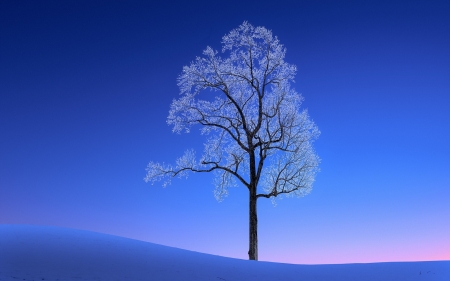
(85, 90)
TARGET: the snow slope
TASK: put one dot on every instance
(52, 253)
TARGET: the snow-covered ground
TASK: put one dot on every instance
(52, 253)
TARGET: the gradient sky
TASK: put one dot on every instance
(85, 89)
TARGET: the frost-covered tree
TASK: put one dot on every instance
(257, 136)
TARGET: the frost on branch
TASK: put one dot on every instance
(257, 135)
(157, 172)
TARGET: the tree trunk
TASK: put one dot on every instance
(253, 247)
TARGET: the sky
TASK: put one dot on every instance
(86, 87)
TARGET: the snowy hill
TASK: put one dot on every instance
(52, 253)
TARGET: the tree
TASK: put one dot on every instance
(257, 134)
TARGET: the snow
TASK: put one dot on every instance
(53, 253)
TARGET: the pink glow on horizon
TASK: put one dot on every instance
(371, 254)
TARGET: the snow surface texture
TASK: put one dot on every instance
(52, 253)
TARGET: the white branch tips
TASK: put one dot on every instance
(257, 134)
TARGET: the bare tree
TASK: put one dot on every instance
(257, 134)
